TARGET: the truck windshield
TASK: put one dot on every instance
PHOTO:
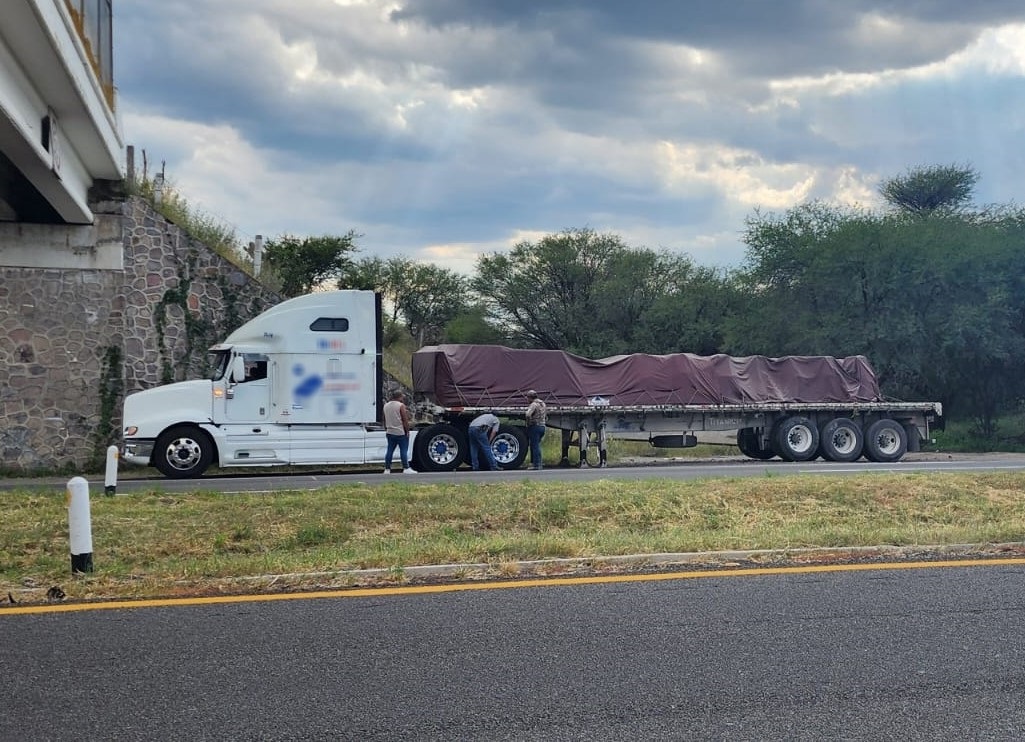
(219, 361)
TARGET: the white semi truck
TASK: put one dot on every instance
(298, 384)
(302, 384)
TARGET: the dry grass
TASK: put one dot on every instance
(158, 544)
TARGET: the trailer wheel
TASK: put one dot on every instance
(510, 446)
(841, 439)
(795, 439)
(886, 441)
(444, 447)
(750, 446)
(183, 452)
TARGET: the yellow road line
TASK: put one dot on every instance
(367, 592)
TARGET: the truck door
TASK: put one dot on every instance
(249, 400)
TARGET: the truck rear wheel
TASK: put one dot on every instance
(841, 439)
(886, 441)
(183, 452)
(510, 446)
(749, 444)
(444, 447)
(795, 439)
(416, 454)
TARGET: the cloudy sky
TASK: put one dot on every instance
(441, 129)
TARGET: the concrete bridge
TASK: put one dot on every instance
(61, 147)
(100, 295)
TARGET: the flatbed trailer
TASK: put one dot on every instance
(792, 431)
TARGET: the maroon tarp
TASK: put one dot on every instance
(495, 376)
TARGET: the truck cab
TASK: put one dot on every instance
(299, 384)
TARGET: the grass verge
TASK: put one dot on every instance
(156, 544)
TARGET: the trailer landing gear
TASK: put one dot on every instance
(583, 439)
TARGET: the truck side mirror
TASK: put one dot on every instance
(238, 369)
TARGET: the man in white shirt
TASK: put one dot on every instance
(482, 432)
(396, 431)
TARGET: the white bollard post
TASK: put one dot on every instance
(110, 481)
(80, 527)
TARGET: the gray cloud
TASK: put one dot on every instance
(469, 122)
(761, 38)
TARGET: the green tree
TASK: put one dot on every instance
(926, 190)
(364, 274)
(386, 277)
(302, 264)
(935, 301)
(472, 326)
(631, 297)
(544, 292)
(779, 298)
(578, 290)
(428, 298)
(979, 318)
(422, 296)
(689, 316)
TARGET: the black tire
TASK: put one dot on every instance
(886, 441)
(841, 439)
(510, 446)
(183, 452)
(416, 455)
(914, 438)
(795, 439)
(443, 448)
(748, 443)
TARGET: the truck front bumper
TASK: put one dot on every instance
(138, 451)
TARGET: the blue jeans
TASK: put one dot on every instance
(481, 446)
(534, 435)
(402, 441)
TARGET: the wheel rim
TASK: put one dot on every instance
(800, 439)
(506, 448)
(442, 449)
(844, 441)
(183, 454)
(888, 441)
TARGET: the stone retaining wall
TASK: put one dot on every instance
(73, 342)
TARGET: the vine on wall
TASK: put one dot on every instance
(111, 392)
(196, 328)
(232, 317)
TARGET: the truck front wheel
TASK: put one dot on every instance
(183, 452)
(416, 454)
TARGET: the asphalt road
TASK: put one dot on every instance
(931, 653)
(272, 479)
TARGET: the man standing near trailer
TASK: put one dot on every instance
(537, 417)
(396, 428)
